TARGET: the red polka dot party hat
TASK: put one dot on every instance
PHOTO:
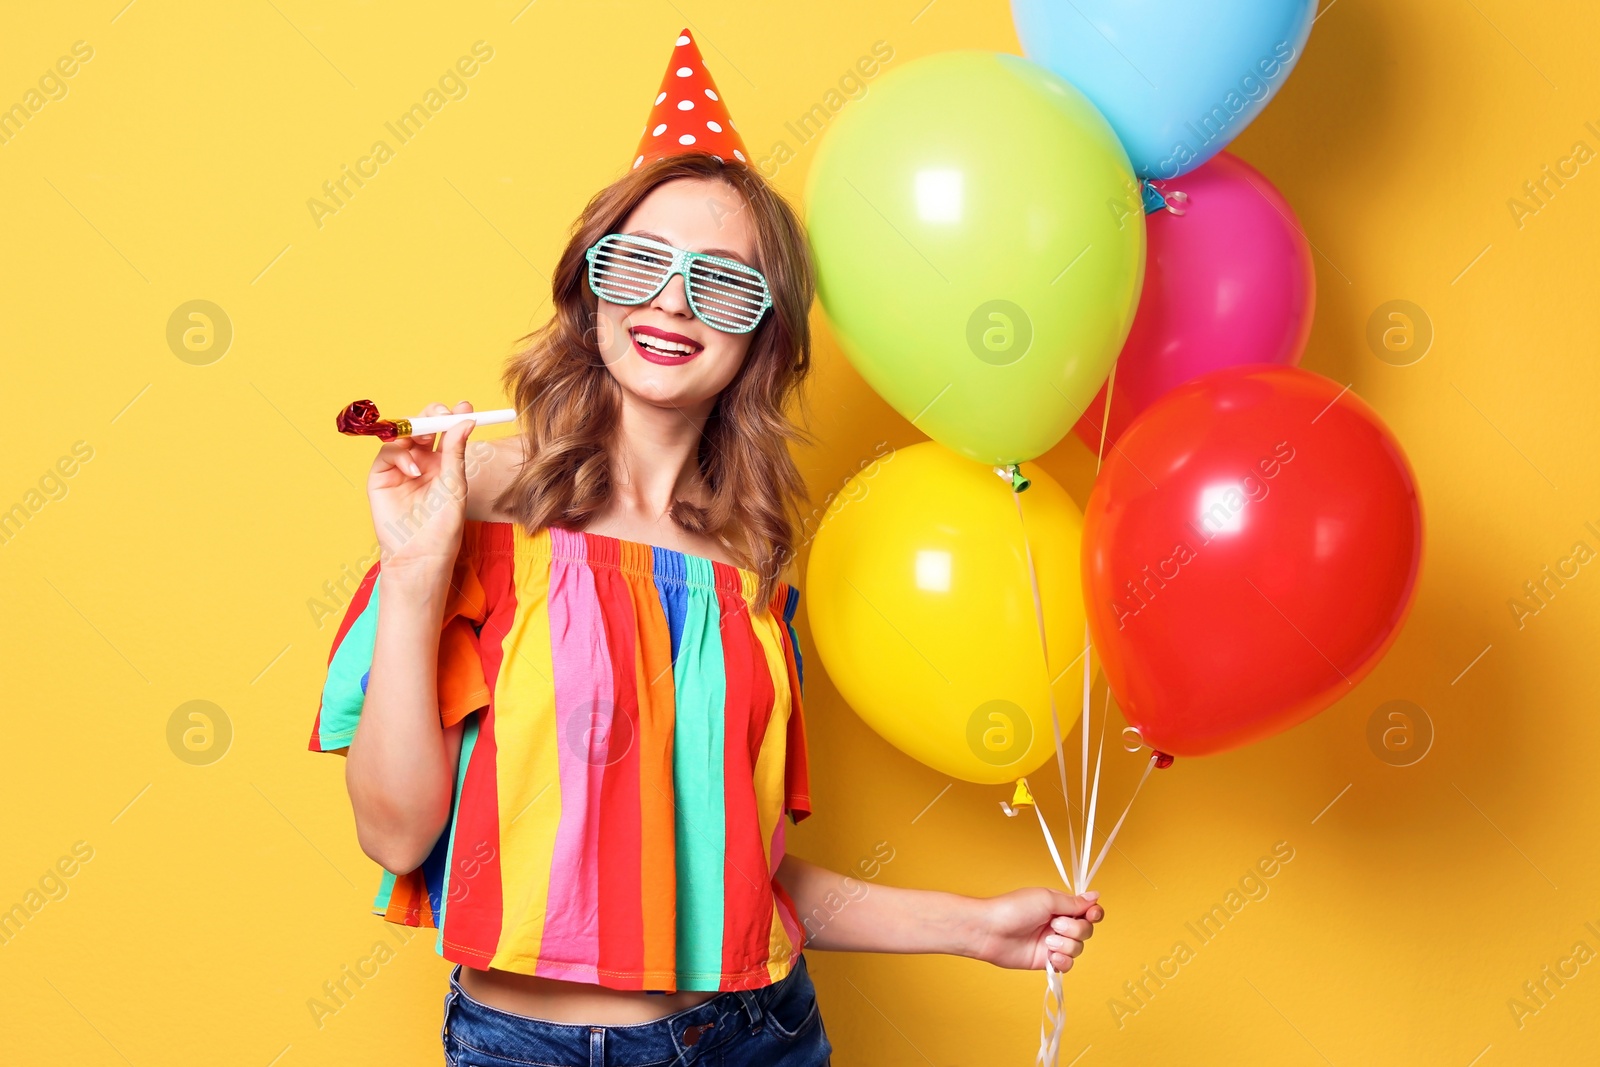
(689, 115)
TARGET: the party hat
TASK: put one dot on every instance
(689, 115)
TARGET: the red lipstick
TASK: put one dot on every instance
(665, 347)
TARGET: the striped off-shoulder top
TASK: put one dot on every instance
(632, 741)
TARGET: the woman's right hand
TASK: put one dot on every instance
(419, 500)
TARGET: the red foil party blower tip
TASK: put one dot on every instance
(361, 419)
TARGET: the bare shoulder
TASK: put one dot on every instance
(491, 466)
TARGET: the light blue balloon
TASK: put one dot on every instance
(1177, 79)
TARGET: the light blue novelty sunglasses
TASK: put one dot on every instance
(723, 293)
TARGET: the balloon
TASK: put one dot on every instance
(922, 610)
(1227, 282)
(979, 239)
(1250, 551)
(1177, 79)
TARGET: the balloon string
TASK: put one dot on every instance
(1085, 807)
(1086, 804)
(1105, 417)
(1094, 795)
(1055, 1018)
(1112, 836)
(1050, 843)
(1055, 718)
(1054, 1022)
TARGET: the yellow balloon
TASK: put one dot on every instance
(922, 610)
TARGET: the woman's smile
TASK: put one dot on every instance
(664, 346)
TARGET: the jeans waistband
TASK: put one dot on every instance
(680, 1038)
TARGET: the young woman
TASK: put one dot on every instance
(571, 705)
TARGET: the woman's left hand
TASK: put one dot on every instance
(1023, 928)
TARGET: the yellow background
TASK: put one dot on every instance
(179, 563)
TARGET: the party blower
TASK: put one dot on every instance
(361, 419)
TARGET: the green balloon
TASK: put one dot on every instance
(979, 238)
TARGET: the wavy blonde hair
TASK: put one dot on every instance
(569, 402)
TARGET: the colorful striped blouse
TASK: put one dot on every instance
(633, 737)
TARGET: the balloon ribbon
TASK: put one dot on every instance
(1055, 1013)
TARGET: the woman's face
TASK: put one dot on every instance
(690, 362)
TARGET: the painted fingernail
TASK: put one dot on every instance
(1055, 942)
(1093, 894)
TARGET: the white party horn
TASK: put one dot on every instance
(361, 419)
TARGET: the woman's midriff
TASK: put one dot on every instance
(572, 1002)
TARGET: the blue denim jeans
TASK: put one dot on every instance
(775, 1026)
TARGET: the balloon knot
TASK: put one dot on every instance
(1162, 760)
(1020, 798)
(1012, 473)
(1155, 199)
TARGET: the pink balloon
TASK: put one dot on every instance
(1228, 282)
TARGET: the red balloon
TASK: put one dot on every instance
(1228, 282)
(1249, 552)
